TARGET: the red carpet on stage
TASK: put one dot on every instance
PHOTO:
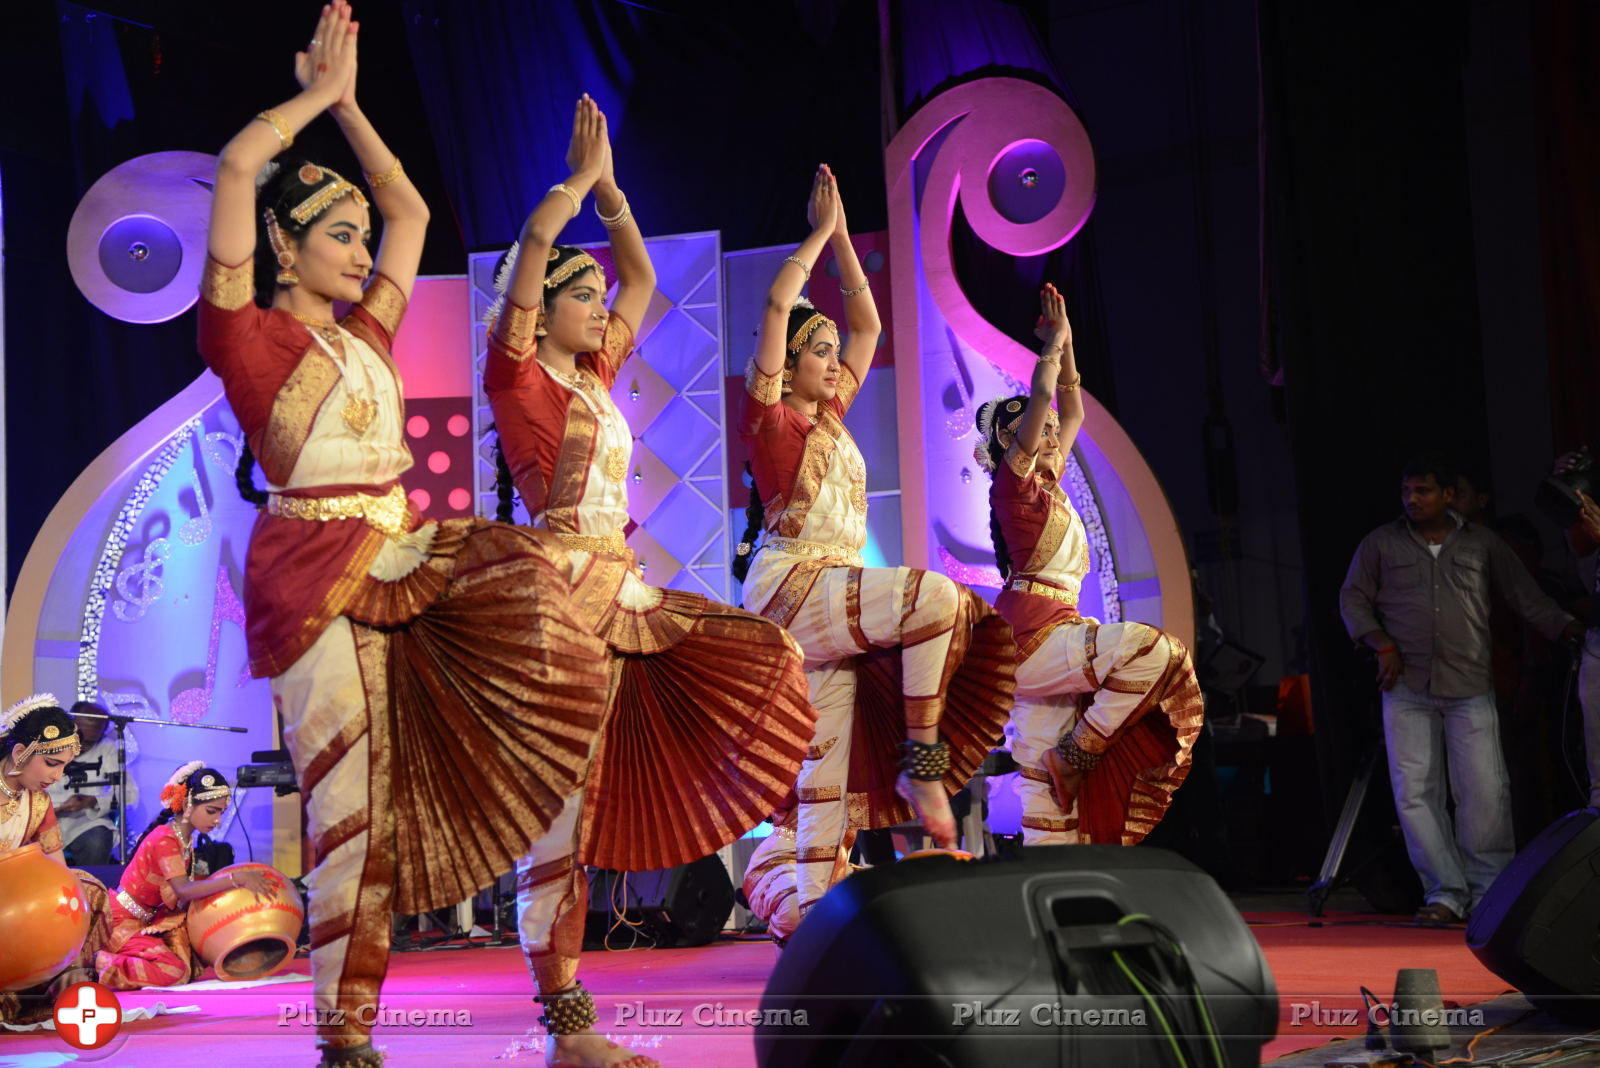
(686, 1006)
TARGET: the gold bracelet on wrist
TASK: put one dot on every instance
(798, 262)
(858, 290)
(571, 194)
(1068, 387)
(280, 126)
(378, 181)
(612, 222)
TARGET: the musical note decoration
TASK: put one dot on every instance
(192, 704)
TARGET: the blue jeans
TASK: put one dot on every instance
(1421, 732)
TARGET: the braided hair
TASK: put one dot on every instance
(755, 517)
(990, 454)
(244, 477)
(502, 482)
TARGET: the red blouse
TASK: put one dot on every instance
(1022, 504)
(148, 877)
(530, 406)
(776, 433)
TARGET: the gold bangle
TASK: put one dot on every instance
(1068, 387)
(571, 194)
(615, 221)
(280, 126)
(378, 181)
(798, 262)
(857, 291)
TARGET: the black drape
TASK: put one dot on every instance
(1369, 243)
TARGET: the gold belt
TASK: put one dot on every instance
(1022, 585)
(136, 910)
(615, 542)
(797, 547)
(386, 514)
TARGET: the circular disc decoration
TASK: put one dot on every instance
(137, 240)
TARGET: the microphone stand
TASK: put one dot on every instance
(121, 723)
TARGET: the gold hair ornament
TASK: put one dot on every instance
(318, 201)
(807, 328)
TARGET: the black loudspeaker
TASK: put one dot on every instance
(1538, 927)
(1008, 962)
(675, 907)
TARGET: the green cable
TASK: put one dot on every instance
(1149, 999)
(1194, 986)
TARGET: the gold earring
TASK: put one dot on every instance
(787, 377)
(538, 324)
(286, 276)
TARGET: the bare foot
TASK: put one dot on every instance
(590, 1049)
(932, 806)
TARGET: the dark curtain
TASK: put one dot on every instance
(1566, 40)
(718, 116)
(1370, 255)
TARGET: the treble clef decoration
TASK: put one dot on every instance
(140, 583)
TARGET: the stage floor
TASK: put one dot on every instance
(682, 1006)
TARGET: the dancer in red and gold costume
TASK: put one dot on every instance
(407, 657)
(39, 740)
(149, 943)
(898, 659)
(1106, 714)
(709, 717)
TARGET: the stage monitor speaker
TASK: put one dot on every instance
(684, 906)
(939, 961)
(1538, 927)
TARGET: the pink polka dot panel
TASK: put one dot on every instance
(443, 454)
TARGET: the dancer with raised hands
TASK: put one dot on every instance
(709, 717)
(408, 658)
(911, 673)
(1106, 714)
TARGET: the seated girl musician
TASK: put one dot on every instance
(149, 941)
(40, 740)
(1096, 765)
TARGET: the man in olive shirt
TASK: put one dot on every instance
(1417, 594)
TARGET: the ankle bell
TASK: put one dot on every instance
(568, 1012)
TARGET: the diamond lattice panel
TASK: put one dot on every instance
(671, 393)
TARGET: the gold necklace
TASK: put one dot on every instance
(359, 409)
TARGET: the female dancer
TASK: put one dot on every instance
(1095, 768)
(149, 943)
(709, 718)
(945, 661)
(406, 657)
(39, 740)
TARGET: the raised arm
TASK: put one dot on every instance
(1056, 374)
(636, 277)
(231, 239)
(404, 213)
(860, 310)
(793, 274)
(585, 161)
